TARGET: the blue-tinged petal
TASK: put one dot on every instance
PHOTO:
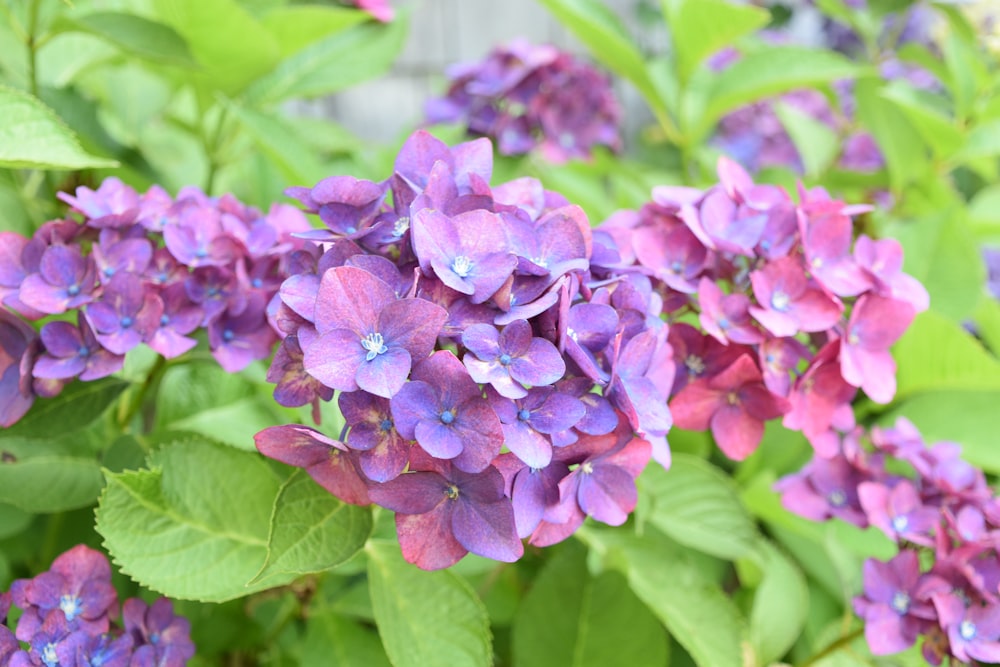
(385, 373)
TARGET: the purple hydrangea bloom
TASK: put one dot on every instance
(511, 359)
(74, 351)
(876, 323)
(973, 629)
(384, 452)
(125, 314)
(15, 339)
(891, 606)
(113, 204)
(66, 279)
(161, 638)
(529, 422)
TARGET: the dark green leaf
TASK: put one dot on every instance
(333, 639)
(79, 404)
(50, 483)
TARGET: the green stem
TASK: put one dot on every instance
(212, 144)
(52, 529)
(830, 649)
(31, 43)
(141, 403)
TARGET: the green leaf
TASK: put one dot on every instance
(987, 322)
(699, 28)
(311, 530)
(331, 64)
(297, 26)
(196, 525)
(698, 614)
(275, 136)
(817, 144)
(133, 34)
(333, 639)
(600, 31)
(233, 424)
(32, 136)
(935, 127)
(231, 46)
(938, 354)
(780, 604)
(79, 405)
(983, 141)
(901, 144)
(769, 72)
(696, 504)
(984, 214)
(570, 618)
(12, 520)
(50, 483)
(426, 618)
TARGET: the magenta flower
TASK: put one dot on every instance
(973, 629)
(442, 513)
(369, 338)
(788, 304)
(899, 512)
(826, 231)
(672, 253)
(734, 405)
(511, 359)
(882, 260)
(726, 317)
(876, 323)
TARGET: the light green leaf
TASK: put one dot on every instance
(233, 424)
(817, 144)
(79, 405)
(32, 136)
(903, 147)
(982, 141)
(332, 639)
(699, 28)
(297, 26)
(984, 214)
(698, 614)
(133, 34)
(311, 530)
(938, 354)
(50, 483)
(273, 134)
(934, 126)
(780, 604)
(426, 618)
(696, 504)
(987, 322)
(231, 46)
(331, 64)
(570, 618)
(195, 526)
(769, 72)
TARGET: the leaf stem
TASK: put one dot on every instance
(139, 403)
(212, 144)
(31, 42)
(833, 647)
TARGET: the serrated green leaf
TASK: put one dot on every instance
(296, 26)
(570, 618)
(769, 72)
(230, 45)
(426, 618)
(50, 483)
(79, 405)
(331, 64)
(699, 28)
(133, 34)
(32, 136)
(937, 354)
(311, 530)
(195, 526)
(696, 611)
(780, 604)
(817, 144)
(333, 639)
(696, 504)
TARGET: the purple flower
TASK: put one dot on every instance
(180, 317)
(825, 488)
(384, 452)
(899, 511)
(161, 638)
(673, 253)
(876, 323)
(111, 256)
(236, 340)
(293, 385)
(368, 337)
(442, 513)
(528, 422)
(726, 317)
(346, 205)
(125, 314)
(788, 304)
(113, 204)
(15, 339)
(65, 280)
(74, 351)
(445, 412)
(973, 629)
(512, 358)
(76, 589)
(891, 606)
(197, 237)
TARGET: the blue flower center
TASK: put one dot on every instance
(73, 289)
(676, 266)
(375, 345)
(724, 323)
(524, 414)
(447, 417)
(462, 266)
(837, 498)
(505, 359)
(780, 301)
(109, 271)
(257, 283)
(228, 335)
(201, 253)
(154, 638)
(164, 320)
(967, 630)
(83, 351)
(386, 424)
(49, 656)
(125, 322)
(900, 602)
(900, 523)
(70, 604)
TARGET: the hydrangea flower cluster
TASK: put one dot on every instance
(499, 379)
(943, 583)
(527, 97)
(67, 616)
(774, 309)
(138, 269)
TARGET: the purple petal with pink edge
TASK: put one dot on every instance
(760, 403)
(443, 371)
(385, 374)
(416, 401)
(600, 418)
(489, 273)
(339, 474)
(607, 494)
(411, 493)
(481, 433)
(473, 157)
(61, 339)
(97, 598)
(299, 293)
(549, 532)
(435, 237)
(387, 459)
(52, 368)
(487, 530)
(64, 266)
(541, 365)
(295, 445)
(736, 432)
(733, 177)
(101, 364)
(443, 269)
(413, 324)
(438, 439)
(652, 415)
(515, 339)
(533, 448)
(884, 631)
(427, 540)
(482, 341)
(334, 359)
(907, 288)
(35, 292)
(350, 298)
